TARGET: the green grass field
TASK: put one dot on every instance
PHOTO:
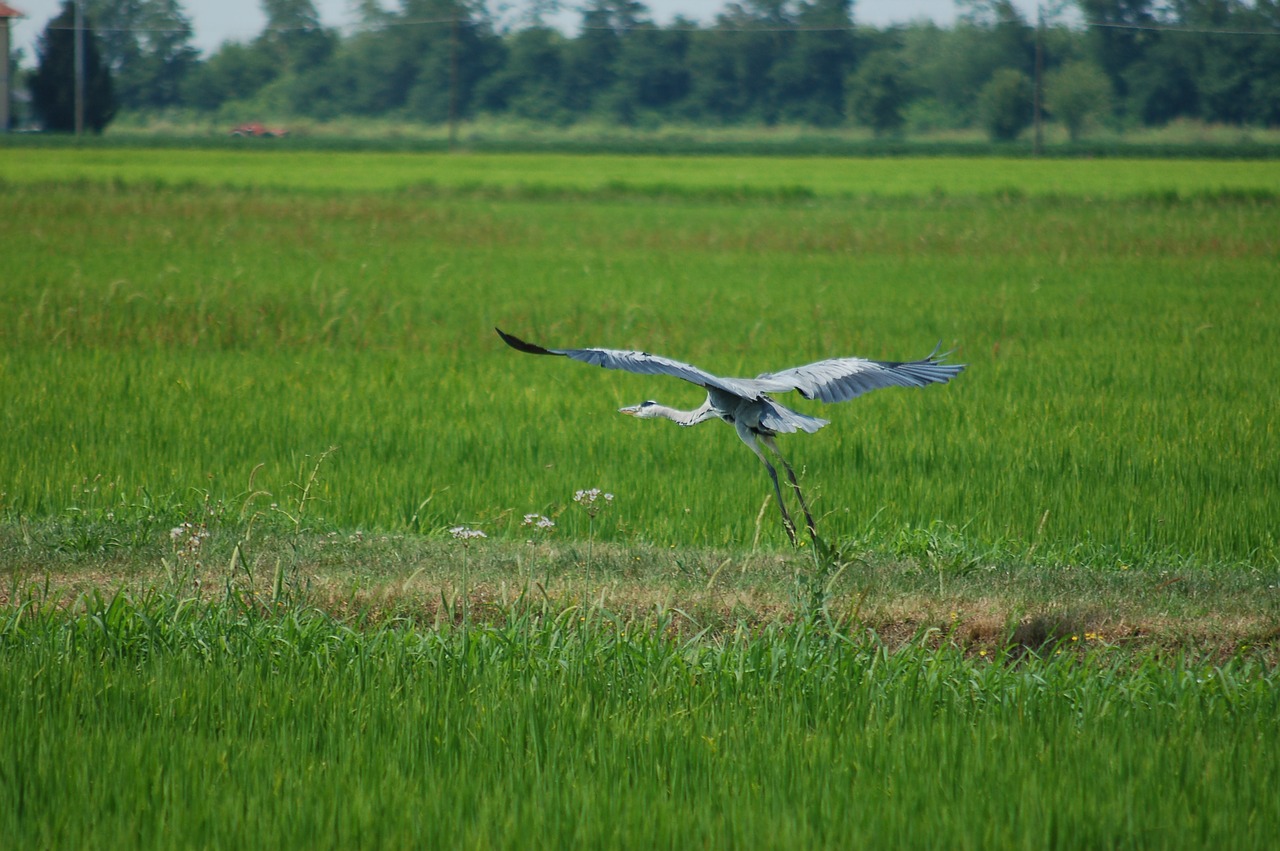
(1051, 619)
(164, 342)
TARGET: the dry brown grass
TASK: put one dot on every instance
(420, 582)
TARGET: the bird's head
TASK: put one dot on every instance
(645, 410)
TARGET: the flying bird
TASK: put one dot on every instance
(745, 403)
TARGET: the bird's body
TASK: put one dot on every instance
(761, 415)
(745, 403)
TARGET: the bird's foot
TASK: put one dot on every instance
(791, 531)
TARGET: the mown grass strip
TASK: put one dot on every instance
(839, 177)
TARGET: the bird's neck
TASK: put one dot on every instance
(684, 418)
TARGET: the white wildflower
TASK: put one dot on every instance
(463, 533)
(588, 499)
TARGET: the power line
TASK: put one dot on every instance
(362, 26)
(1173, 28)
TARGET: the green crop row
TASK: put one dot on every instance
(163, 722)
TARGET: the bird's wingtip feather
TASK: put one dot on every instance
(936, 358)
(520, 345)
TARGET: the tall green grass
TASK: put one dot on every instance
(162, 722)
(159, 344)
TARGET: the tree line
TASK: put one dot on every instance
(759, 62)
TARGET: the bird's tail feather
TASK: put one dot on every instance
(783, 420)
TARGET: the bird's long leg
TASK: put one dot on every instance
(749, 438)
(767, 440)
(782, 506)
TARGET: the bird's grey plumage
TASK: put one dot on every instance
(835, 380)
(642, 363)
(842, 379)
(745, 403)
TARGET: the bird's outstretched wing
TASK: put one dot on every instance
(842, 379)
(836, 380)
(640, 362)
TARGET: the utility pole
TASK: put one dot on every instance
(79, 51)
(5, 14)
(1038, 97)
(453, 80)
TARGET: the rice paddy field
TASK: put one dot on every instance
(247, 395)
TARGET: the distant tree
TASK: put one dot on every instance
(591, 59)
(16, 61)
(716, 93)
(1004, 104)
(810, 75)
(285, 16)
(1224, 80)
(293, 56)
(536, 12)
(1225, 65)
(421, 62)
(235, 71)
(931, 57)
(949, 67)
(529, 82)
(1264, 89)
(878, 92)
(1123, 32)
(53, 83)
(1162, 86)
(760, 61)
(1214, 59)
(457, 58)
(1077, 93)
(384, 60)
(294, 35)
(281, 65)
(1008, 40)
(755, 38)
(147, 46)
(652, 73)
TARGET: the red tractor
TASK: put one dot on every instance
(258, 131)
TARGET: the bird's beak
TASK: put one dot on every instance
(630, 410)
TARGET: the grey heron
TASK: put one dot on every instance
(745, 403)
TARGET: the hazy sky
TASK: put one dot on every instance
(216, 21)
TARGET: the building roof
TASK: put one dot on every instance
(10, 12)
